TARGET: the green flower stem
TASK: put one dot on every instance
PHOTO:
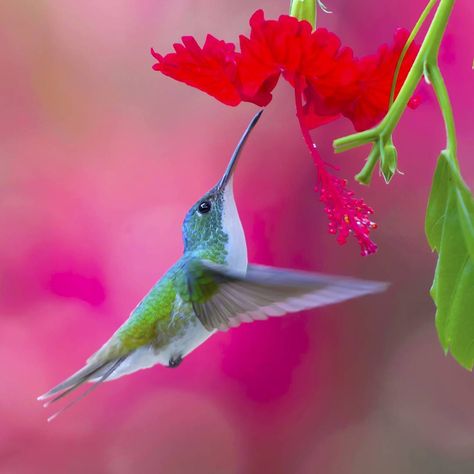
(435, 77)
(425, 63)
(365, 174)
(304, 10)
(450, 152)
(410, 39)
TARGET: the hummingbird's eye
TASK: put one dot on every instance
(204, 207)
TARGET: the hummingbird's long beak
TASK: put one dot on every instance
(235, 156)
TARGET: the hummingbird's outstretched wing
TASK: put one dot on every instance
(222, 298)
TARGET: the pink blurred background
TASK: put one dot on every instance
(101, 157)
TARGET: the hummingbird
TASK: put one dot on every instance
(211, 288)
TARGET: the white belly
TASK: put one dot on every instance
(192, 336)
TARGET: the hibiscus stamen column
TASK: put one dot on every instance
(347, 214)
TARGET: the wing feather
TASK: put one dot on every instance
(231, 298)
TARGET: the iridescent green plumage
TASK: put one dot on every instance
(168, 307)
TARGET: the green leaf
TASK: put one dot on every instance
(450, 231)
(437, 205)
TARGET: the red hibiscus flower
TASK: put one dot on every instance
(275, 47)
(328, 82)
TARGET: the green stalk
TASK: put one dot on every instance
(428, 52)
(365, 174)
(410, 39)
(304, 10)
(435, 77)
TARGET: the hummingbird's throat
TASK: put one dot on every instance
(236, 246)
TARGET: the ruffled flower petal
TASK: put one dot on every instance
(211, 68)
(374, 83)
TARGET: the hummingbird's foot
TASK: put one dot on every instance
(175, 361)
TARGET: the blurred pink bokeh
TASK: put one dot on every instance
(100, 159)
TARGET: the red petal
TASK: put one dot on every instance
(375, 82)
(415, 101)
(211, 68)
(274, 46)
(255, 68)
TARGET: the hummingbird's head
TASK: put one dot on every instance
(212, 225)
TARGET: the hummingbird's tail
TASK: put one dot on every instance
(92, 372)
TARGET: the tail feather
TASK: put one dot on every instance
(98, 373)
(75, 380)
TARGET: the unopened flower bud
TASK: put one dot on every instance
(388, 164)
